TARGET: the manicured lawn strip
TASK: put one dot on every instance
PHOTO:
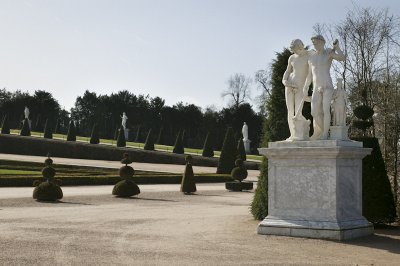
(136, 144)
(5, 172)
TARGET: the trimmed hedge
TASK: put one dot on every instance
(14, 144)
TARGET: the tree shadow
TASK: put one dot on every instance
(384, 239)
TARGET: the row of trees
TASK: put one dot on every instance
(144, 113)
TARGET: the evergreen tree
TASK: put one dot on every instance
(378, 201)
(160, 138)
(149, 144)
(121, 142)
(241, 150)
(228, 153)
(116, 133)
(94, 138)
(77, 128)
(275, 128)
(5, 126)
(208, 150)
(71, 135)
(26, 130)
(184, 139)
(178, 147)
(138, 138)
(48, 132)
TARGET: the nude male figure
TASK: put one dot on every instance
(294, 79)
(319, 62)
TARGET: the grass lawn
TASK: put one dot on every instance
(136, 145)
(14, 173)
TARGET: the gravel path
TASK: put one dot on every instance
(165, 227)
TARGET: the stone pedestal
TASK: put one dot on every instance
(247, 145)
(126, 131)
(338, 132)
(315, 190)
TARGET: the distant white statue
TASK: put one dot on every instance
(124, 118)
(320, 61)
(339, 104)
(26, 112)
(294, 79)
(245, 132)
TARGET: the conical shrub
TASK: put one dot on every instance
(208, 150)
(26, 130)
(241, 150)
(77, 128)
(138, 137)
(178, 147)
(94, 137)
(228, 154)
(48, 130)
(378, 201)
(116, 133)
(121, 142)
(38, 124)
(58, 129)
(259, 205)
(71, 135)
(149, 144)
(160, 137)
(184, 139)
(188, 184)
(5, 126)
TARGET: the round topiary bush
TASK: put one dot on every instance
(126, 187)
(49, 190)
(188, 184)
(239, 173)
(363, 112)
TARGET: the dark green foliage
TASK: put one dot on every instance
(228, 154)
(184, 139)
(241, 150)
(208, 150)
(188, 184)
(276, 126)
(160, 138)
(178, 147)
(48, 190)
(362, 124)
(239, 173)
(5, 127)
(121, 142)
(149, 144)
(259, 205)
(116, 133)
(126, 187)
(363, 112)
(48, 132)
(26, 130)
(77, 128)
(378, 202)
(139, 134)
(71, 135)
(94, 137)
(38, 124)
(58, 129)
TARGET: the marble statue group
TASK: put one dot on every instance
(306, 67)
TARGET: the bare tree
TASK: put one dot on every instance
(238, 89)
(263, 79)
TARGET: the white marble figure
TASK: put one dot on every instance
(339, 104)
(26, 112)
(319, 62)
(294, 79)
(124, 118)
(245, 132)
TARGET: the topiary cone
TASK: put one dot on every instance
(208, 150)
(5, 127)
(94, 138)
(241, 150)
(178, 147)
(149, 144)
(121, 142)
(188, 184)
(48, 132)
(228, 154)
(71, 135)
(26, 130)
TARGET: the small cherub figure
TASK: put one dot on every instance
(339, 104)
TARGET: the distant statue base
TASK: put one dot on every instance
(126, 131)
(247, 145)
(315, 189)
(339, 132)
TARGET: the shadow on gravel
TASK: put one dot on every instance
(385, 238)
(63, 202)
(133, 198)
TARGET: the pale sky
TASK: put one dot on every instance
(180, 50)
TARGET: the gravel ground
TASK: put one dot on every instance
(165, 227)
